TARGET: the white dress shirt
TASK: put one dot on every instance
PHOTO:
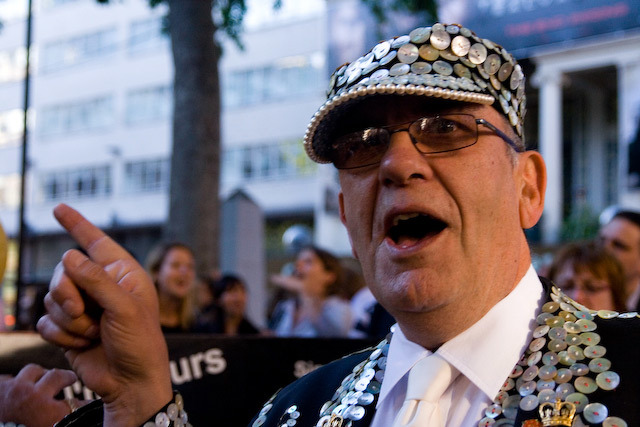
(485, 354)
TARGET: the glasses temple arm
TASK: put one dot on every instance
(500, 134)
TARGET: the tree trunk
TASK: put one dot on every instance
(195, 163)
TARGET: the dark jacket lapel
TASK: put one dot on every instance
(619, 335)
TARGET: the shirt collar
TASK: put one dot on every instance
(514, 317)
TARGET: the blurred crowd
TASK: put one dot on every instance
(321, 296)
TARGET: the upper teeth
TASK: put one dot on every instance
(404, 217)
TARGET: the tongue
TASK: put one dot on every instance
(406, 241)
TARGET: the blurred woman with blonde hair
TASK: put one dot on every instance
(172, 268)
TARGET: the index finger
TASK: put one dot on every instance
(100, 247)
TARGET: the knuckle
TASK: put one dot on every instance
(92, 270)
(56, 288)
(84, 271)
(48, 301)
(47, 329)
(33, 367)
(40, 326)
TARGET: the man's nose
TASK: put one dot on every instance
(402, 161)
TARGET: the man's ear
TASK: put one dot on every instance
(533, 184)
(343, 218)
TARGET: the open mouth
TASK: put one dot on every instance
(409, 229)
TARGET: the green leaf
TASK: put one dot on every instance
(380, 8)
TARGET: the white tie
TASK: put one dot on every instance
(428, 380)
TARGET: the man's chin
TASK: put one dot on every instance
(413, 296)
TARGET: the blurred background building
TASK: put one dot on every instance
(101, 100)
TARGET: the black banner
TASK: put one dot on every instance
(522, 25)
(224, 380)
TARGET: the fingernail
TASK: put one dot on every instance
(75, 258)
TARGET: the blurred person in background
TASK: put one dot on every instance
(317, 307)
(590, 275)
(203, 293)
(360, 301)
(369, 319)
(226, 313)
(621, 237)
(172, 268)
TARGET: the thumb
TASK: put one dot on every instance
(90, 277)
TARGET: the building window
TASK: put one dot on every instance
(11, 124)
(81, 183)
(261, 13)
(289, 77)
(274, 161)
(85, 115)
(12, 65)
(12, 10)
(77, 50)
(50, 4)
(9, 190)
(148, 176)
(149, 104)
(146, 34)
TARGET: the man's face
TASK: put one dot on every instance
(621, 237)
(442, 230)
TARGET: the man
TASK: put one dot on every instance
(621, 237)
(426, 132)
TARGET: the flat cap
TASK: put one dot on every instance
(445, 61)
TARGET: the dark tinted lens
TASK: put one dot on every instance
(444, 133)
(359, 148)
